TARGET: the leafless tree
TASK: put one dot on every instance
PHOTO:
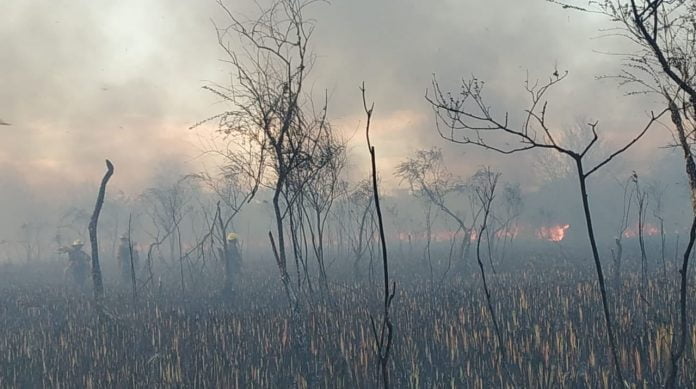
(31, 240)
(427, 252)
(360, 228)
(507, 223)
(323, 191)
(484, 184)
(93, 223)
(385, 335)
(134, 285)
(272, 117)
(429, 179)
(167, 206)
(300, 244)
(466, 118)
(311, 192)
(617, 253)
(664, 63)
(657, 192)
(641, 202)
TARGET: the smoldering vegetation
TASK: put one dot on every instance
(549, 312)
(194, 334)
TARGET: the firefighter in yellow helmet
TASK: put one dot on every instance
(232, 261)
(79, 265)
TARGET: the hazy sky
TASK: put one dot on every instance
(81, 81)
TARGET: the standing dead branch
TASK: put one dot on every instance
(641, 199)
(484, 184)
(384, 336)
(617, 253)
(93, 222)
(132, 263)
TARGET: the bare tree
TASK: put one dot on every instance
(467, 119)
(31, 240)
(385, 335)
(664, 63)
(134, 286)
(167, 206)
(657, 192)
(360, 229)
(429, 179)
(298, 238)
(323, 190)
(310, 194)
(93, 223)
(427, 252)
(272, 117)
(641, 200)
(507, 223)
(617, 253)
(483, 184)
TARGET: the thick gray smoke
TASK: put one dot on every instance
(83, 81)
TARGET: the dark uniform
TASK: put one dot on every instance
(78, 267)
(124, 260)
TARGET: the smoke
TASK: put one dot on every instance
(84, 81)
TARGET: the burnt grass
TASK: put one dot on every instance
(551, 318)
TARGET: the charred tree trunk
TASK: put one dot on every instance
(279, 250)
(678, 349)
(299, 334)
(132, 264)
(300, 342)
(641, 198)
(320, 252)
(598, 267)
(491, 310)
(384, 336)
(181, 262)
(617, 256)
(663, 241)
(96, 269)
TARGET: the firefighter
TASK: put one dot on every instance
(125, 250)
(78, 267)
(232, 261)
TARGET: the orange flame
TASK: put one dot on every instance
(510, 232)
(648, 230)
(554, 233)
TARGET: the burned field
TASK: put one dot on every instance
(550, 317)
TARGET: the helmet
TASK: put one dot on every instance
(77, 243)
(232, 237)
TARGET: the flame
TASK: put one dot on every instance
(648, 230)
(554, 233)
(510, 232)
(444, 236)
(436, 236)
(404, 236)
